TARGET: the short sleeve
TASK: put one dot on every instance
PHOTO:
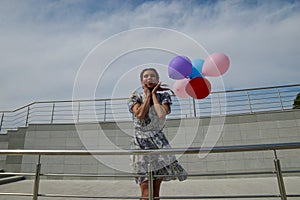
(166, 98)
(134, 98)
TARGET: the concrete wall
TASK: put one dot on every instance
(3, 145)
(259, 128)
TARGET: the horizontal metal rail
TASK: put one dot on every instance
(97, 110)
(189, 150)
(194, 150)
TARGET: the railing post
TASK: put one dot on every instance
(279, 177)
(249, 101)
(27, 116)
(1, 122)
(150, 182)
(78, 113)
(220, 106)
(194, 107)
(280, 100)
(104, 117)
(37, 179)
(52, 113)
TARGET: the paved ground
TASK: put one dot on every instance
(123, 188)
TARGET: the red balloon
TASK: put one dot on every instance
(198, 88)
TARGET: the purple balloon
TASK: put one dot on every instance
(180, 67)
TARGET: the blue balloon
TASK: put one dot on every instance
(195, 73)
(197, 65)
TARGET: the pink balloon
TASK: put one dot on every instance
(179, 88)
(215, 65)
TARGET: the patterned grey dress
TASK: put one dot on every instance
(149, 135)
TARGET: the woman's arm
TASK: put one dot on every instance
(140, 110)
(161, 109)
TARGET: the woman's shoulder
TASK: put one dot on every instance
(135, 93)
(136, 96)
(165, 97)
(165, 94)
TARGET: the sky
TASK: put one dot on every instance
(47, 46)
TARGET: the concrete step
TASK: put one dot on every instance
(11, 179)
(7, 178)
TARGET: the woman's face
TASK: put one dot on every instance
(149, 78)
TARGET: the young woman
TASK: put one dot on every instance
(150, 109)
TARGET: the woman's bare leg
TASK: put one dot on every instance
(144, 190)
(156, 188)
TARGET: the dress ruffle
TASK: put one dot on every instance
(164, 166)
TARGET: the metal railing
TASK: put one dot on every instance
(193, 150)
(97, 110)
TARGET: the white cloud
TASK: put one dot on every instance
(43, 43)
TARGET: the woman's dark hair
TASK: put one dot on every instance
(152, 69)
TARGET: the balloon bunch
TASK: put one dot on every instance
(190, 75)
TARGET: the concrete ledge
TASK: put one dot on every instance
(203, 187)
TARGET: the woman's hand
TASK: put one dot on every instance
(146, 90)
(161, 109)
(156, 88)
